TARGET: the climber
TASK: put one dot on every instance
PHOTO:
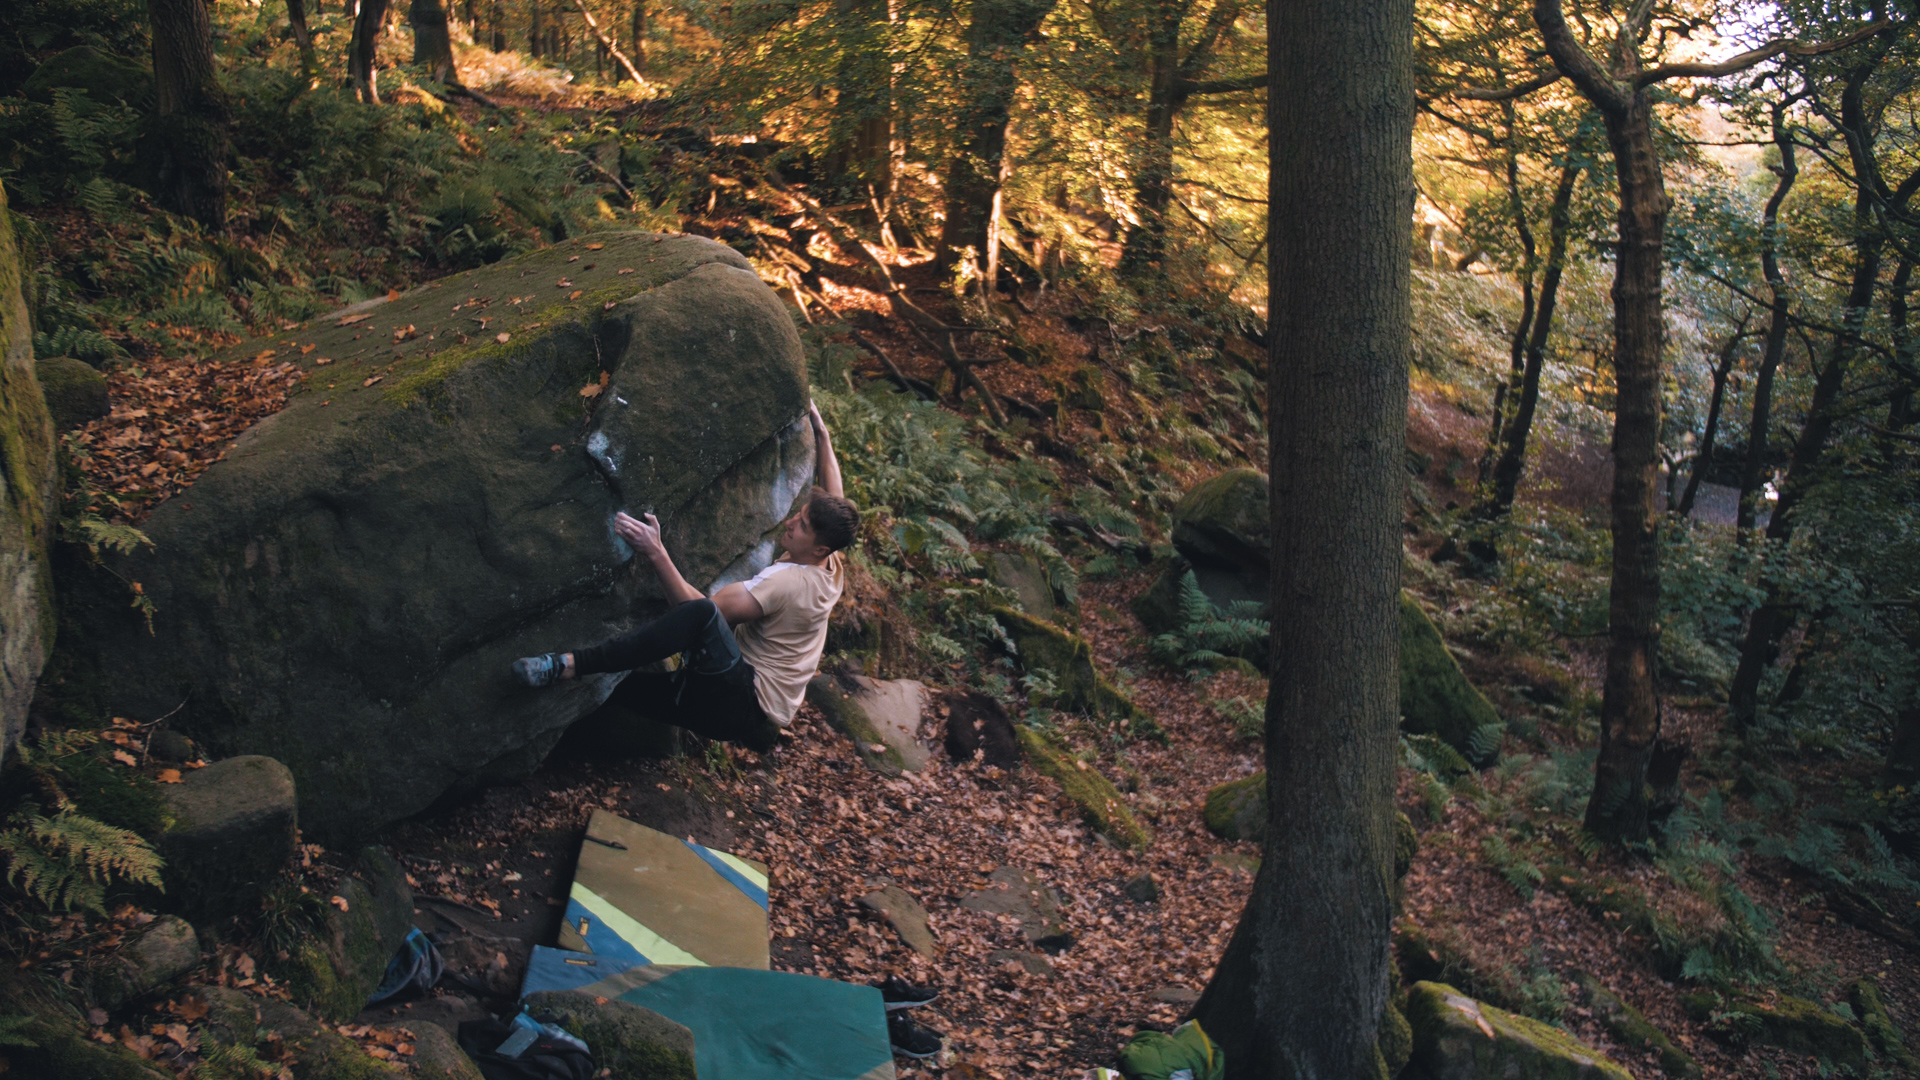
(745, 654)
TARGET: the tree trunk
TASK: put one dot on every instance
(536, 33)
(1517, 342)
(1302, 987)
(639, 32)
(996, 38)
(302, 37)
(497, 26)
(432, 40)
(191, 121)
(361, 49)
(1153, 183)
(861, 152)
(1777, 321)
(1900, 409)
(1513, 453)
(1704, 457)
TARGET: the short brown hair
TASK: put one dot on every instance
(833, 518)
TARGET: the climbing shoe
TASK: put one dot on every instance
(898, 993)
(538, 671)
(910, 1039)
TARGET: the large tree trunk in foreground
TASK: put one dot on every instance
(1302, 987)
(191, 121)
(996, 38)
(432, 41)
(361, 49)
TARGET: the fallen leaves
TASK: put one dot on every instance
(371, 380)
(593, 389)
(125, 758)
(168, 776)
(595, 247)
(338, 901)
(502, 337)
(351, 319)
(576, 294)
(624, 270)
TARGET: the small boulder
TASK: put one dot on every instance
(1458, 1038)
(628, 1042)
(1101, 805)
(1225, 521)
(906, 915)
(1237, 809)
(232, 831)
(1633, 1029)
(1044, 648)
(1800, 1026)
(75, 392)
(881, 717)
(310, 1047)
(1882, 1032)
(1435, 696)
(1025, 577)
(169, 745)
(978, 724)
(54, 1042)
(165, 950)
(335, 972)
(437, 1055)
(1023, 895)
(1033, 963)
(1141, 888)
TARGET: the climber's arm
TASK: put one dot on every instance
(824, 461)
(643, 533)
(737, 605)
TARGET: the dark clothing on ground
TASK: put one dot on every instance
(710, 695)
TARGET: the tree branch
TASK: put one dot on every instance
(1745, 60)
(1476, 93)
(1573, 61)
(1186, 89)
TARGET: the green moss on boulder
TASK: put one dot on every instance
(1800, 1026)
(1237, 809)
(1633, 1029)
(27, 616)
(1043, 647)
(1395, 1043)
(1458, 1038)
(629, 1042)
(1435, 696)
(1099, 801)
(335, 972)
(1225, 520)
(75, 392)
(1881, 1031)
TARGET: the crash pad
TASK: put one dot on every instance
(764, 1025)
(642, 897)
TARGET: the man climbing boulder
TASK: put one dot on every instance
(747, 652)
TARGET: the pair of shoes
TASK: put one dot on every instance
(538, 671)
(910, 1039)
(898, 993)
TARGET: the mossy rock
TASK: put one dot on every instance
(103, 75)
(1395, 1042)
(317, 1051)
(346, 589)
(333, 973)
(1025, 577)
(1086, 389)
(230, 828)
(1633, 1029)
(629, 1042)
(1044, 647)
(1800, 1026)
(1237, 809)
(1406, 844)
(1435, 696)
(1881, 1031)
(75, 392)
(437, 1055)
(27, 614)
(1100, 803)
(1225, 520)
(1458, 1038)
(56, 1035)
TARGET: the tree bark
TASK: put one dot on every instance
(432, 40)
(606, 41)
(639, 34)
(1629, 710)
(1303, 985)
(192, 123)
(361, 49)
(1517, 345)
(303, 37)
(1513, 452)
(1777, 322)
(1704, 457)
(996, 39)
(536, 33)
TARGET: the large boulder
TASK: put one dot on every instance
(1458, 1038)
(881, 716)
(26, 500)
(346, 589)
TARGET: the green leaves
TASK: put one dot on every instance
(68, 860)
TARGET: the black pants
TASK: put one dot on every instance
(710, 695)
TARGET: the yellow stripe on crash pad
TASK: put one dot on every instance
(746, 869)
(651, 945)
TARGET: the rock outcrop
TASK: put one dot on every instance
(346, 589)
(26, 501)
(334, 972)
(1458, 1038)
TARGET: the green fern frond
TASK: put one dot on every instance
(94, 534)
(13, 1031)
(1485, 740)
(67, 860)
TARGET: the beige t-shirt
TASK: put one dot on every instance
(784, 645)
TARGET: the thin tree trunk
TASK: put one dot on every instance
(1900, 409)
(433, 40)
(1513, 454)
(1302, 987)
(497, 26)
(363, 47)
(606, 41)
(1153, 186)
(1704, 457)
(191, 121)
(639, 34)
(996, 39)
(1758, 428)
(536, 33)
(1517, 345)
(302, 37)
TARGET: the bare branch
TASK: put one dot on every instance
(1186, 89)
(1745, 60)
(1573, 61)
(1476, 93)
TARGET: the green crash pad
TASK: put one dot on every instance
(764, 1025)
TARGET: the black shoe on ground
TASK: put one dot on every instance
(537, 671)
(910, 1039)
(898, 993)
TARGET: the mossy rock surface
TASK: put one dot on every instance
(231, 828)
(1868, 1004)
(437, 1055)
(1458, 1038)
(1395, 1042)
(1801, 1026)
(27, 614)
(1633, 1029)
(628, 1042)
(1435, 696)
(75, 392)
(105, 76)
(1078, 687)
(1237, 809)
(1101, 805)
(1225, 521)
(333, 973)
(347, 588)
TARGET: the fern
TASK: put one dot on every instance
(68, 860)
(1209, 635)
(94, 534)
(13, 1031)
(1485, 740)
(1247, 717)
